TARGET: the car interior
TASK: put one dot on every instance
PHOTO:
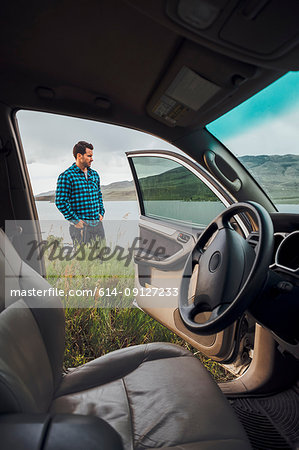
(168, 68)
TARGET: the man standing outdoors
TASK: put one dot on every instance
(79, 196)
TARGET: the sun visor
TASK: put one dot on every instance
(197, 80)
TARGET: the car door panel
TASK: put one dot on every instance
(163, 250)
(173, 227)
(167, 275)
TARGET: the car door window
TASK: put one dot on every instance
(170, 191)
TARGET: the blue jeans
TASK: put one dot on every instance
(87, 234)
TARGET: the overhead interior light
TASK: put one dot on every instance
(191, 89)
(198, 13)
(186, 94)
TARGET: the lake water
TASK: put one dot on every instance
(288, 208)
(121, 218)
(120, 223)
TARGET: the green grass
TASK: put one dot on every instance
(94, 330)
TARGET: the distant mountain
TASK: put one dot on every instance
(277, 174)
(176, 184)
(118, 191)
(48, 193)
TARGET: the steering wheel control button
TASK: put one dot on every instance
(184, 238)
(214, 262)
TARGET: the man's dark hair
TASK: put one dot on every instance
(81, 148)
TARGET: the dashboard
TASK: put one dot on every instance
(278, 306)
(286, 252)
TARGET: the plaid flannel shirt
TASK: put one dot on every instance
(78, 198)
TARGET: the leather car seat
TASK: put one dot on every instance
(152, 396)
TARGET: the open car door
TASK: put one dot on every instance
(177, 199)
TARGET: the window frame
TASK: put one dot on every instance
(220, 192)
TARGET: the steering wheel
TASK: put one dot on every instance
(230, 272)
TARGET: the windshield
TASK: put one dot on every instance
(263, 133)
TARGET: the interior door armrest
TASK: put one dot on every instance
(172, 262)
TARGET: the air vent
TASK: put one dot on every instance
(253, 240)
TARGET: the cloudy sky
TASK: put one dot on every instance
(265, 124)
(48, 142)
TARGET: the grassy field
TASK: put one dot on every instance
(94, 332)
(93, 327)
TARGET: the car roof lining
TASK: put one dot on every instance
(109, 50)
(279, 19)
